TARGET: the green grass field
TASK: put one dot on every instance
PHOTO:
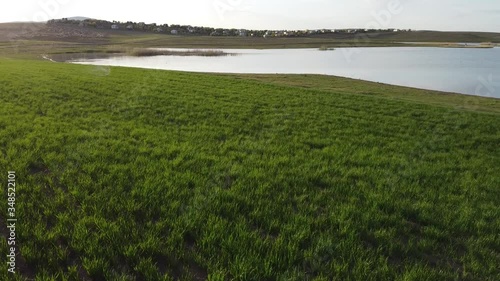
(132, 174)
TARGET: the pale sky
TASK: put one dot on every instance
(457, 15)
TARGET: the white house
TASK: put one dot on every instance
(130, 27)
(115, 26)
(174, 32)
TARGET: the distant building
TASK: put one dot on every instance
(174, 32)
(115, 26)
(130, 27)
(159, 29)
(243, 33)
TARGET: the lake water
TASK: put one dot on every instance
(461, 70)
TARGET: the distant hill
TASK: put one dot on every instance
(84, 28)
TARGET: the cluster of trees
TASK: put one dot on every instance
(153, 27)
(207, 31)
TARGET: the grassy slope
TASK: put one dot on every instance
(131, 174)
(358, 87)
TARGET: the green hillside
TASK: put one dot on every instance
(133, 174)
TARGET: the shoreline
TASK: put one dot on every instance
(215, 51)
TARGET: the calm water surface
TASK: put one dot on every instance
(466, 71)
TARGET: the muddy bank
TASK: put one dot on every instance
(80, 56)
